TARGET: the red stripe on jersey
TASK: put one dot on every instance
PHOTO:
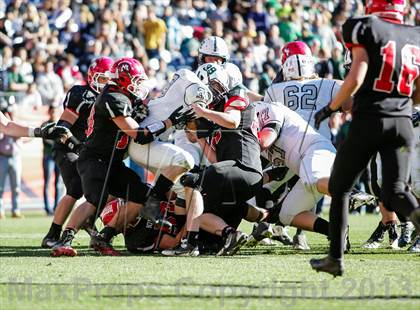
(232, 103)
(72, 111)
(351, 45)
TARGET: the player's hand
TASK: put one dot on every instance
(51, 131)
(199, 110)
(181, 117)
(321, 115)
(140, 112)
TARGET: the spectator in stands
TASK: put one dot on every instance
(15, 79)
(154, 32)
(50, 85)
(10, 165)
(49, 166)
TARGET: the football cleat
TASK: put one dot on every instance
(407, 230)
(183, 249)
(376, 238)
(300, 242)
(99, 244)
(49, 242)
(234, 241)
(260, 232)
(415, 247)
(393, 235)
(359, 198)
(328, 264)
(63, 246)
(151, 211)
(280, 234)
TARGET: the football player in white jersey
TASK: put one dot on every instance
(302, 90)
(165, 159)
(287, 140)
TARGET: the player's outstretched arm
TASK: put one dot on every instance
(12, 128)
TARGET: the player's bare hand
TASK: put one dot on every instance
(199, 110)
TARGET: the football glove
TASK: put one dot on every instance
(321, 115)
(140, 112)
(51, 131)
(179, 117)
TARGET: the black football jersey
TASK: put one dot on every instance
(394, 63)
(79, 100)
(240, 144)
(102, 133)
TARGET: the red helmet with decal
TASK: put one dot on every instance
(97, 73)
(297, 61)
(294, 48)
(387, 9)
(128, 74)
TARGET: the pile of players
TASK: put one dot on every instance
(235, 155)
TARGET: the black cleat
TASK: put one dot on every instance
(328, 264)
(183, 249)
(359, 198)
(407, 230)
(49, 242)
(63, 246)
(393, 235)
(234, 241)
(376, 238)
(151, 211)
(99, 244)
(260, 231)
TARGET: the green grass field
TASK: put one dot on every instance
(259, 278)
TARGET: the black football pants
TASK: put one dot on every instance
(393, 138)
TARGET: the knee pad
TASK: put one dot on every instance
(191, 180)
(183, 159)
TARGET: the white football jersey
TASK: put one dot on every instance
(290, 146)
(172, 97)
(305, 97)
(235, 74)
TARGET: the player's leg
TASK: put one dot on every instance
(123, 183)
(74, 192)
(350, 161)
(169, 162)
(396, 159)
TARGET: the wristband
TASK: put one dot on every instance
(156, 128)
(31, 132)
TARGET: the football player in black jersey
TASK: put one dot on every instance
(77, 104)
(384, 78)
(235, 174)
(100, 164)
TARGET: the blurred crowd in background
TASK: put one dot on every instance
(47, 45)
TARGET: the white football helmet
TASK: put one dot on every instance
(298, 66)
(199, 94)
(213, 46)
(215, 77)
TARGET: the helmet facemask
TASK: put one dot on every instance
(137, 89)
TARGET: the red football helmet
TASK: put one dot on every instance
(98, 69)
(294, 48)
(128, 74)
(297, 61)
(387, 9)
